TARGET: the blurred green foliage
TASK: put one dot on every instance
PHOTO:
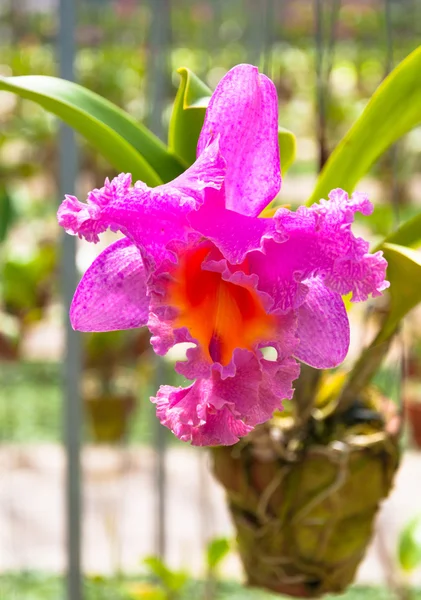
(409, 545)
(31, 404)
(32, 586)
(216, 551)
(172, 581)
(28, 283)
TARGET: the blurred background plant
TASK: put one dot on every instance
(409, 554)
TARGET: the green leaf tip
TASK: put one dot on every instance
(394, 109)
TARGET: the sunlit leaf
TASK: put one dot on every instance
(408, 234)
(409, 545)
(188, 115)
(216, 551)
(127, 145)
(404, 274)
(7, 213)
(287, 148)
(394, 109)
(171, 580)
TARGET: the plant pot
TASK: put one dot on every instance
(304, 503)
(9, 348)
(109, 416)
(413, 413)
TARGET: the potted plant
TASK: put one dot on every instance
(108, 383)
(303, 493)
(304, 487)
(412, 396)
(26, 292)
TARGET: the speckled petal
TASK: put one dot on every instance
(275, 385)
(243, 112)
(323, 327)
(234, 234)
(112, 293)
(318, 241)
(217, 411)
(177, 409)
(150, 217)
(221, 428)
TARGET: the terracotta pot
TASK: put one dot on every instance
(109, 417)
(413, 413)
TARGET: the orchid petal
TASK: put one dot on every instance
(218, 410)
(243, 112)
(199, 266)
(318, 241)
(150, 217)
(323, 327)
(234, 234)
(112, 293)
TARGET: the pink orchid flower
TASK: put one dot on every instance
(198, 265)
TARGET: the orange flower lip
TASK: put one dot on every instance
(219, 314)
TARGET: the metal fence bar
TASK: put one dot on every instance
(159, 87)
(159, 66)
(72, 360)
(268, 28)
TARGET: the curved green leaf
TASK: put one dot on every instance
(7, 213)
(172, 580)
(409, 545)
(126, 144)
(404, 274)
(408, 234)
(188, 115)
(287, 148)
(394, 109)
(216, 551)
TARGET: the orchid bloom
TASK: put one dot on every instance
(197, 264)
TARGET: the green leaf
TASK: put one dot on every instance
(188, 115)
(7, 213)
(171, 580)
(216, 551)
(408, 234)
(409, 545)
(126, 144)
(404, 274)
(394, 109)
(287, 148)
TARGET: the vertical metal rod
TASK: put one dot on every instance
(324, 64)
(72, 358)
(255, 32)
(389, 36)
(160, 84)
(394, 155)
(268, 37)
(321, 111)
(159, 65)
(160, 473)
(394, 149)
